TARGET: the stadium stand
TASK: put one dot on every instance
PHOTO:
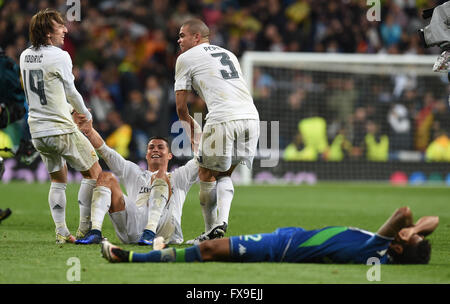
(124, 54)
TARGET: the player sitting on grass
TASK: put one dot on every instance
(154, 201)
(398, 241)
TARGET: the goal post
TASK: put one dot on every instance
(347, 116)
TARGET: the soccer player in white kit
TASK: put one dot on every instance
(51, 95)
(231, 132)
(154, 201)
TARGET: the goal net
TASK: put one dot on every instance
(348, 117)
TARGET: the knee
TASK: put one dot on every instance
(206, 175)
(215, 250)
(208, 250)
(93, 172)
(106, 179)
(226, 173)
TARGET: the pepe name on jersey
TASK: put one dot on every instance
(212, 48)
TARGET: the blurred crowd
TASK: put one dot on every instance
(335, 116)
(124, 52)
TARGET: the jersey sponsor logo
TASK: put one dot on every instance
(145, 189)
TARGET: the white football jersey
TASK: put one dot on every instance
(215, 74)
(137, 184)
(49, 88)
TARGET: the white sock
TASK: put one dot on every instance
(84, 202)
(225, 192)
(57, 203)
(101, 202)
(208, 202)
(157, 201)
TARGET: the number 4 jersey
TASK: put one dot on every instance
(49, 88)
(215, 74)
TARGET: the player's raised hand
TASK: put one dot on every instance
(406, 233)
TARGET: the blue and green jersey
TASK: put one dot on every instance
(336, 244)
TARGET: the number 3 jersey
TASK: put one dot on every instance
(215, 74)
(49, 88)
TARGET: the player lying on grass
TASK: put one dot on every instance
(154, 200)
(397, 241)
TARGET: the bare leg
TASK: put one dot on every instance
(215, 250)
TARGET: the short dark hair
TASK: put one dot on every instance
(419, 253)
(161, 138)
(41, 24)
(197, 26)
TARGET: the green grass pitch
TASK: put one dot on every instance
(29, 255)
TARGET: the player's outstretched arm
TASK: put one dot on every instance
(426, 225)
(86, 127)
(401, 218)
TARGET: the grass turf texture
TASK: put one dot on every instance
(28, 253)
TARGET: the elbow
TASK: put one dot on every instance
(435, 220)
(404, 211)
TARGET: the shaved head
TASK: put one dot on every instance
(196, 26)
(192, 33)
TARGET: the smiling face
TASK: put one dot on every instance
(47, 28)
(56, 37)
(158, 154)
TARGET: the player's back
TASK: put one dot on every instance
(215, 74)
(44, 73)
(337, 244)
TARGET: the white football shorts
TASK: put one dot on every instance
(73, 148)
(229, 143)
(130, 223)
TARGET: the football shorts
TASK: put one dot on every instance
(130, 223)
(73, 148)
(229, 143)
